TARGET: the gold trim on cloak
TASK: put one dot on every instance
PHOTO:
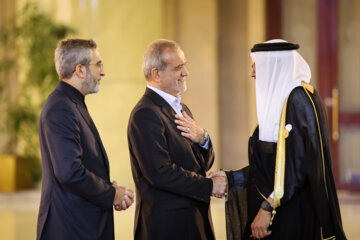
(280, 151)
(280, 159)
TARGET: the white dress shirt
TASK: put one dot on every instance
(174, 102)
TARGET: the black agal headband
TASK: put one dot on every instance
(276, 46)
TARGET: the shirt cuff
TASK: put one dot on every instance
(206, 144)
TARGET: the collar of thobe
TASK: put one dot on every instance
(174, 102)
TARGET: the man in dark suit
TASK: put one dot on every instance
(77, 196)
(170, 154)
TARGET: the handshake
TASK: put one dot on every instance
(124, 198)
(219, 183)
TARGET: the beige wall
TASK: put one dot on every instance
(256, 34)
(349, 55)
(300, 26)
(239, 30)
(196, 32)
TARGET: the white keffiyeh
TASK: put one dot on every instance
(277, 74)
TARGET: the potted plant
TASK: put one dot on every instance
(28, 42)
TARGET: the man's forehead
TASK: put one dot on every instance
(174, 54)
(95, 54)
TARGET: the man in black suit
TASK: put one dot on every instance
(170, 154)
(77, 196)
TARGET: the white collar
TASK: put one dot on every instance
(173, 101)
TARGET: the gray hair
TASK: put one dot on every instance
(71, 52)
(153, 56)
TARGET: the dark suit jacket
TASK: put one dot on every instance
(168, 169)
(77, 196)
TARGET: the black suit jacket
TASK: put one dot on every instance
(172, 192)
(77, 196)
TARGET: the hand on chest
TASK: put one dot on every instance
(182, 151)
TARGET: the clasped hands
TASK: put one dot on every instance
(124, 198)
(219, 183)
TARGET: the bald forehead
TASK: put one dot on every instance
(170, 51)
(173, 54)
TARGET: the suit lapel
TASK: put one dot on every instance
(170, 113)
(85, 114)
(200, 157)
(158, 100)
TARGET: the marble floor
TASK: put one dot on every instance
(18, 216)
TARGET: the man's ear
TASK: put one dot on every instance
(80, 71)
(155, 75)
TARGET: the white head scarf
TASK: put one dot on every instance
(277, 74)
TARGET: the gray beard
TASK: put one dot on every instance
(90, 85)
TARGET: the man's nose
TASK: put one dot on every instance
(252, 73)
(185, 72)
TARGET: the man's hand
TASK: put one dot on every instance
(123, 197)
(261, 223)
(216, 174)
(189, 128)
(219, 186)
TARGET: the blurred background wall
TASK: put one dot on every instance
(216, 36)
(216, 45)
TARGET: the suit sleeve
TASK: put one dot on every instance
(62, 137)
(149, 146)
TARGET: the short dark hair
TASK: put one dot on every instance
(71, 52)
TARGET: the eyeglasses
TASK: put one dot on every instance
(99, 64)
